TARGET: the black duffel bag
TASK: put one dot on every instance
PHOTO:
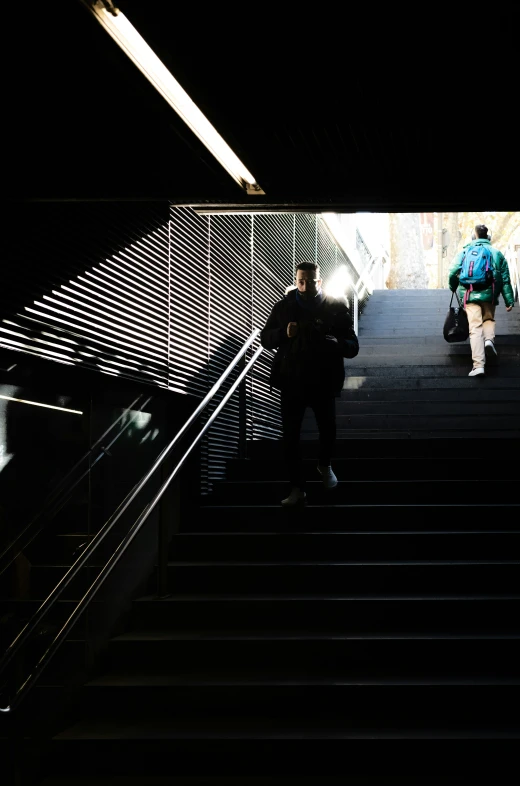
(456, 327)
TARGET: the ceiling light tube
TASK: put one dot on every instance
(131, 42)
(40, 404)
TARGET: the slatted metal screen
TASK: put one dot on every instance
(230, 323)
(188, 303)
(273, 264)
(160, 294)
(304, 237)
(87, 284)
(326, 250)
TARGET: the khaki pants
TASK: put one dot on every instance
(481, 319)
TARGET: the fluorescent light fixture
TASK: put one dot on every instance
(272, 209)
(39, 404)
(131, 42)
(254, 211)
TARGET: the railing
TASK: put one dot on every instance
(513, 261)
(62, 492)
(373, 263)
(363, 249)
(29, 628)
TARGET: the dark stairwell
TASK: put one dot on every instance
(372, 638)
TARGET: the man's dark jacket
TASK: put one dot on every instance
(312, 361)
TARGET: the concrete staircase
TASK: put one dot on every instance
(408, 383)
(372, 638)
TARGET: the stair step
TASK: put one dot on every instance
(419, 326)
(429, 382)
(403, 307)
(391, 331)
(391, 296)
(437, 342)
(423, 699)
(321, 637)
(440, 434)
(421, 421)
(292, 678)
(271, 449)
(425, 396)
(390, 299)
(435, 350)
(355, 578)
(449, 360)
(440, 306)
(460, 614)
(367, 468)
(390, 491)
(430, 409)
(419, 425)
(428, 546)
(268, 780)
(286, 746)
(369, 368)
(342, 518)
(126, 730)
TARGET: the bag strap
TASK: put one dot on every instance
(455, 294)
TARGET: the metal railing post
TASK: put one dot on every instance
(242, 412)
(162, 556)
(168, 523)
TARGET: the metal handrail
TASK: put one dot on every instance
(107, 527)
(61, 493)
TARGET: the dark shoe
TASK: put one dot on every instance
(330, 481)
(296, 497)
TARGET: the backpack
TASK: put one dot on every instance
(477, 267)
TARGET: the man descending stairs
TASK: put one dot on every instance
(372, 637)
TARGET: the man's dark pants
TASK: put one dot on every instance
(293, 406)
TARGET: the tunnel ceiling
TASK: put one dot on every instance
(395, 110)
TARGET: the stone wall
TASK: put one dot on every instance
(422, 246)
(407, 265)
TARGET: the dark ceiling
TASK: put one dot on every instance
(376, 107)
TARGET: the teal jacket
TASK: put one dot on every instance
(502, 282)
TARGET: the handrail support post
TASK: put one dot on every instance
(168, 524)
(242, 412)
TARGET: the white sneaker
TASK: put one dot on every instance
(490, 349)
(477, 371)
(296, 497)
(330, 481)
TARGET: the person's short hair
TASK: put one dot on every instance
(481, 231)
(309, 266)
